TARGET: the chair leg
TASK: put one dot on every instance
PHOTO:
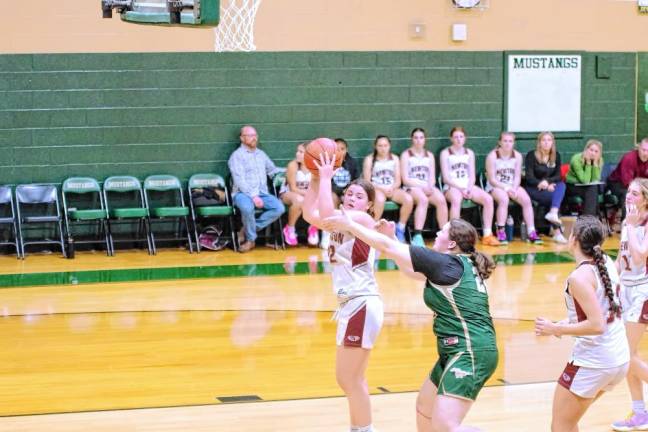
(232, 233)
(17, 240)
(186, 222)
(279, 234)
(104, 228)
(196, 236)
(110, 238)
(150, 236)
(62, 243)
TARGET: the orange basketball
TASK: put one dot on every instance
(317, 147)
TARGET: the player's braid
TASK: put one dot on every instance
(483, 263)
(590, 233)
(599, 259)
(465, 235)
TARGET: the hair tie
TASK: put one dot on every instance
(597, 248)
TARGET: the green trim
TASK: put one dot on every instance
(223, 271)
(157, 18)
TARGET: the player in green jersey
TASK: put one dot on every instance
(454, 273)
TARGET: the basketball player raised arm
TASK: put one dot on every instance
(381, 238)
(638, 248)
(318, 201)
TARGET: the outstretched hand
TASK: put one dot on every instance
(385, 227)
(326, 166)
(337, 222)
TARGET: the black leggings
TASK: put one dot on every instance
(589, 194)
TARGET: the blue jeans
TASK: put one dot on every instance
(548, 199)
(273, 210)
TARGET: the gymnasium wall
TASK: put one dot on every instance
(180, 113)
(642, 95)
(48, 26)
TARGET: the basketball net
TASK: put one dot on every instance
(235, 32)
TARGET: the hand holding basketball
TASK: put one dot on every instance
(318, 147)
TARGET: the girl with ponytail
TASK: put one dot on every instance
(454, 274)
(631, 263)
(601, 357)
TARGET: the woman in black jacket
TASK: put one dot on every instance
(543, 182)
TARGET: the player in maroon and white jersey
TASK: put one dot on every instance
(601, 356)
(631, 262)
(360, 312)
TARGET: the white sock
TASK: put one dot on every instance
(487, 232)
(368, 428)
(638, 406)
(401, 226)
(530, 229)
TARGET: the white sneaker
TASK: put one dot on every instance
(553, 218)
(325, 240)
(559, 238)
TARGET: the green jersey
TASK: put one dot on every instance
(458, 296)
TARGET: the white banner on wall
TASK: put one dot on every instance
(544, 93)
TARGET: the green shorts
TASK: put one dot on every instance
(463, 375)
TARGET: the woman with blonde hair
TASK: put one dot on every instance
(459, 175)
(584, 175)
(543, 181)
(631, 263)
(504, 175)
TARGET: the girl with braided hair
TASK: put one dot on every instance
(600, 357)
(454, 274)
(631, 263)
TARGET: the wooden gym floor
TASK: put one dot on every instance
(220, 341)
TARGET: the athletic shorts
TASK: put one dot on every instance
(588, 382)
(463, 374)
(359, 322)
(634, 303)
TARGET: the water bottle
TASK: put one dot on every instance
(524, 235)
(509, 228)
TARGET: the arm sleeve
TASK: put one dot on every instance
(627, 168)
(529, 170)
(438, 268)
(238, 175)
(555, 175)
(583, 173)
(271, 168)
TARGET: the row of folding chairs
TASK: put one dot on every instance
(94, 213)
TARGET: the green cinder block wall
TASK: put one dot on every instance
(642, 96)
(180, 113)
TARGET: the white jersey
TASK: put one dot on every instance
(459, 165)
(631, 274)
(352, 262)
(418, 167)
(302, 180)
(606, 350)
(383, 172)
(504, 170)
